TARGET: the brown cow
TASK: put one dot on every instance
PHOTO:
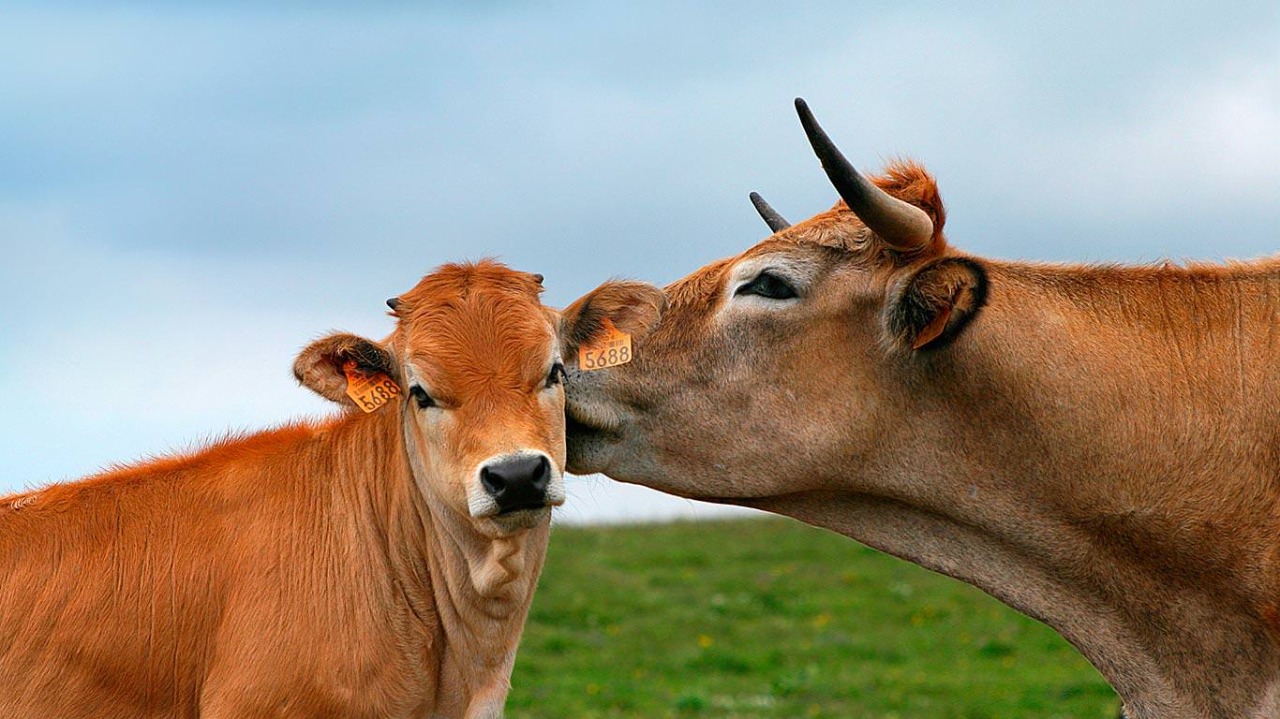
(371, 565)
(1097, 446)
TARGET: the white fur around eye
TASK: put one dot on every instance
(793, 274)
(417, 388)
(768, 285)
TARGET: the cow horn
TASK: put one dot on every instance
(902, 225)
(776, 222)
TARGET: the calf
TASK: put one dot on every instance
(376, 564)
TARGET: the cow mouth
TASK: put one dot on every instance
(591, 440)
(518, 519)
(573, 427)
(525, 507)
(589, 419)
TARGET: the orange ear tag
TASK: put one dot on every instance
(368, 390)
(610, 349)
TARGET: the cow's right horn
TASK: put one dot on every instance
(902, 225)
(776, 222)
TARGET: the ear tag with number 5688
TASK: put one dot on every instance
(610, 349)
(369, 390)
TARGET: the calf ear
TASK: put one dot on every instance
(931, 307)
(320, 365)
(632, 307)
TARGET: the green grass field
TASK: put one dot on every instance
(771, 618)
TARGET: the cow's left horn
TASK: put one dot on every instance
(902, 225)
(776, 222)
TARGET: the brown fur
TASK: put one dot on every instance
(307, 571)
(1098, 446)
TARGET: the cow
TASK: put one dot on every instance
(1097, 446)
(377, 563)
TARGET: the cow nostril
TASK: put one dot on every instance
(542, 475)
(493, 482)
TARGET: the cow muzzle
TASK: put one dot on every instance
(517, 482)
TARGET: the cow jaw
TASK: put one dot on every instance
(588, 448)
(593, 425)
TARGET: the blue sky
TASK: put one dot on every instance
(188, 195)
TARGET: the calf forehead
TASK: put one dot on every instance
(476, 325)
(491, 336)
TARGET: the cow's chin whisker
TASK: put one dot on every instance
(480, 506)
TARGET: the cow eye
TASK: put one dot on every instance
(557, 375)
(766, 284)
(420, 396)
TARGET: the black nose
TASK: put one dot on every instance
(517, 483)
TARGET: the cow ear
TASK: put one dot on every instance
(632, 307)
(933, 305)
(320, 366)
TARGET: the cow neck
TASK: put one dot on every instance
(1108, 470)
(479, 587)
(395, 508)
(1163, 389)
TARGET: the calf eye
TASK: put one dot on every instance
(557, 375)
(420, 396)
(767, 284)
